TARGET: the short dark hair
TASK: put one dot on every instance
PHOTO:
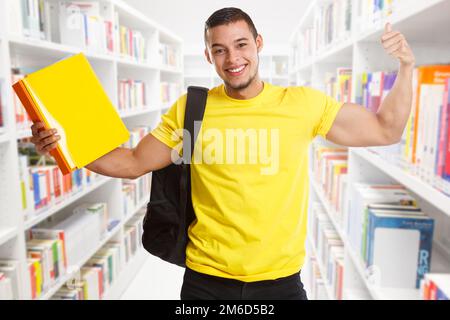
(228, 15)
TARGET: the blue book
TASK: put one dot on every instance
(36, 191)
(400, 247)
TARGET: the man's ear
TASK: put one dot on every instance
(259, 43)
(207, 56)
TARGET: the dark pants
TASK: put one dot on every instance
(199, 286)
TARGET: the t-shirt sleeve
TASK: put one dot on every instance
(323, 110)
(169, 129)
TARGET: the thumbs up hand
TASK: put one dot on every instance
(395, 44)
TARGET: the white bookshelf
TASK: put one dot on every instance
(422, 22)
(273, 68)
(19, 50)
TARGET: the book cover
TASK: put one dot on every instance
(69, 97)
(400, 248)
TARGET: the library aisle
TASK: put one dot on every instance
(378, 220)
(149, 284)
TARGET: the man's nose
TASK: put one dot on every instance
(233, 56)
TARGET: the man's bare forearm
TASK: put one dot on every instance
(118, 163)
(396, 107)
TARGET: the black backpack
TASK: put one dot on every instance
(170, 211)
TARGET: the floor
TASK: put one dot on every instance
(156, 280)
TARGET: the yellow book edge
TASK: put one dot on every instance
(51, 122)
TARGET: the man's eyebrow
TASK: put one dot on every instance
(221, 45)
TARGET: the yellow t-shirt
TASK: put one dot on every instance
(250, 190)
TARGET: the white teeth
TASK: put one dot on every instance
(237, 70)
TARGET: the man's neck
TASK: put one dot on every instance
(255, 88)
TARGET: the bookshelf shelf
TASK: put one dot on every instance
(126, 276)
(41, 215)
(7, 234)
(72, 270)
(439, 262)
(432, 195)
(138, 112)
(111, 64)
(313, 63)
(4, 137)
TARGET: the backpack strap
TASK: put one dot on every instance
(195, 109)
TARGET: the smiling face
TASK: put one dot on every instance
(233, 50)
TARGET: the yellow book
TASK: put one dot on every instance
(37, 267)
(69, 97)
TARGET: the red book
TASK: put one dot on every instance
(32, 272)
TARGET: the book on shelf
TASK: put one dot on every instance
(360, 197)
(339, 85)
(423, 142)
(65, 95)
(317, 285)
(168, 55)
(391, 234)
(9, 279)
(43, 185)
(132, 44)
(96, 276)
(132, 94)
(329, 248)
(436, 286)
(83, 228)
(6, 291)
(399, 244)
(169, 91)
(49, 253)
(332, 23)
(2, 106)
(372, 13)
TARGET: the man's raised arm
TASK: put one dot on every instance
(355, 126)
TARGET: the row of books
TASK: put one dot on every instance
(169, 55)
(132, 44)
(170, 91)
(95, 277)
(316, 284)
(43, 186)
(132, 239)
(64, 240)
(101, 271)
(9, 279)
(373, 13)
(329, 168)
(23, 121)
(46, 259)
(391, 233)
(436, 286)
(329, 248)
(424, 147)
(425, 142)
(132, 94)
(91, 26)
(332, 24)
(135, 191)
(339, 85)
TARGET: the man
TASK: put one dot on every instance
(250, 165)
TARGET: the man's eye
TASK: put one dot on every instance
(242, 45)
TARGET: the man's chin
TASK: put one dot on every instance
(238, 86)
